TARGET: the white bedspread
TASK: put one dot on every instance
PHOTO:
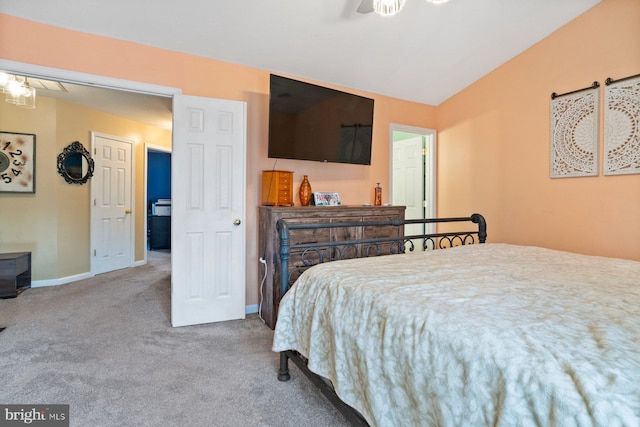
(477, 335)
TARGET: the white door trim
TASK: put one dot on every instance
(148, 147)
(430, 188)
(75, 77)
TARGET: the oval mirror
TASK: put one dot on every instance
(75, 164)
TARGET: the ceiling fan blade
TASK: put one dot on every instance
(366, 6)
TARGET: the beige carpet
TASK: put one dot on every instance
(105, 346)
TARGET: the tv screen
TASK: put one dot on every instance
(311, 122)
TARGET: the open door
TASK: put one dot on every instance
(208, 210)
(413, 175)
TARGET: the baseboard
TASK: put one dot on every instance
(75, 278)
(251, 309)
(60, 280)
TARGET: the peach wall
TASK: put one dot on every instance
(493, 152)
(69, 50)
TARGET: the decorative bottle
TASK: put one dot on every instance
(377, 201)
(305, 191)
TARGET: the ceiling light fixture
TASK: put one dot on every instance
(4, 78)
(18, 91)
(388, 7)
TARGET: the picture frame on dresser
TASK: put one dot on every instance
(325, 199)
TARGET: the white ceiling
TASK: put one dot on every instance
(148, 109)
(426, 53)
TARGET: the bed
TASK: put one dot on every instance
(473, 335)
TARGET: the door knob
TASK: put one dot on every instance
(236, 222)
(128, 211)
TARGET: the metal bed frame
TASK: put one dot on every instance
(313, 253)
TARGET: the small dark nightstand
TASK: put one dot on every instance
(159, 232)
(15, 273)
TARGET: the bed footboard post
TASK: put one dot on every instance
(284, 256)
(482, 226)
(283, 373)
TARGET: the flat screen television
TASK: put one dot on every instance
(311, 122)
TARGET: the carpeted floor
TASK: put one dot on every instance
(105, 346)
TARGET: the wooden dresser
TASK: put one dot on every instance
(268, 216)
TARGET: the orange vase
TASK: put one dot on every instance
(305, 191)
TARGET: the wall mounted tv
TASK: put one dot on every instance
(310, 122)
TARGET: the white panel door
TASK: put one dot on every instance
(208, 210)
(111, 203)
(408, 180)
(408, 176)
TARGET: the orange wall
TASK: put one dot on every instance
(493, 141)
(493, 146)
(70, 50)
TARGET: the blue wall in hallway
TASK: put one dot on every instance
(158, 177)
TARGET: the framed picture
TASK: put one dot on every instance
(622, 126)
(326, 199)
(17, 162)
(574, 134)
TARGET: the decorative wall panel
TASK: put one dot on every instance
(574, 134)
(622, 127)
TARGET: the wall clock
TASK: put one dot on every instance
(17, 162)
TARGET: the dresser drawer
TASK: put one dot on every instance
(285, 194)
(285, 179)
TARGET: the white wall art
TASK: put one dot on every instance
(622, 126)
(574, 133)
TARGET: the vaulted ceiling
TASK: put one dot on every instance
(426, 53)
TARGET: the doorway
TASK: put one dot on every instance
(158, 198)
(413, 178)
(209, 148)
(147, 104)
